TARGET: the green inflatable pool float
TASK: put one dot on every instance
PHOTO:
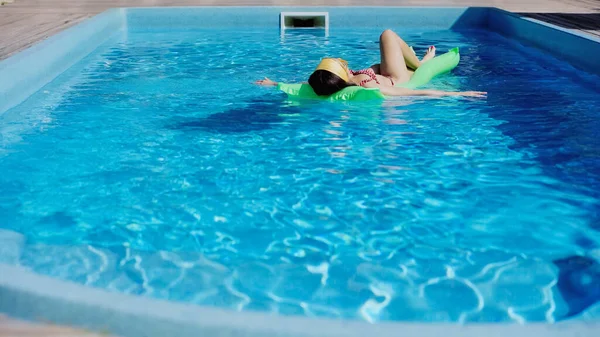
(434, 67)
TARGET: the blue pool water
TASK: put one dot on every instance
(155, 167)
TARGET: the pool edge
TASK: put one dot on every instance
(25, 72)
(562, 43)
(30, 296)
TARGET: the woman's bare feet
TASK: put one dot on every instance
(429, 55)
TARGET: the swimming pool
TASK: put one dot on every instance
(155, 167)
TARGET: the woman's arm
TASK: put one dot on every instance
(268, 82)
(395, 91)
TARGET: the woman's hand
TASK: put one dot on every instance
(266, 82)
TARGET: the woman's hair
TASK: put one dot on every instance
(326, 83)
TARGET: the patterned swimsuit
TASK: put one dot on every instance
(372, 76)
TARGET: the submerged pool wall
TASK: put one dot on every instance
(26, 295)
(149, 19)
(566, 44)
(28, 71)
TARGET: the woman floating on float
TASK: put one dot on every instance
(399, 74)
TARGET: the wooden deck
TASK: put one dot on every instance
(25, 22)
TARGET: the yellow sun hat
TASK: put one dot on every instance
(335, 66)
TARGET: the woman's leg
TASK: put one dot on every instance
(396, 56)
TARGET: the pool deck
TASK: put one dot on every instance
(26, 22)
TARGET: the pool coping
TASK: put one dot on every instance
(24, 73)
(28, 295)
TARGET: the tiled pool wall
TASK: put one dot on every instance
(26, 295)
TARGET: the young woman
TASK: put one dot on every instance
(398, 62)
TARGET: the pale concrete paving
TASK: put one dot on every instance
(15, 328)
